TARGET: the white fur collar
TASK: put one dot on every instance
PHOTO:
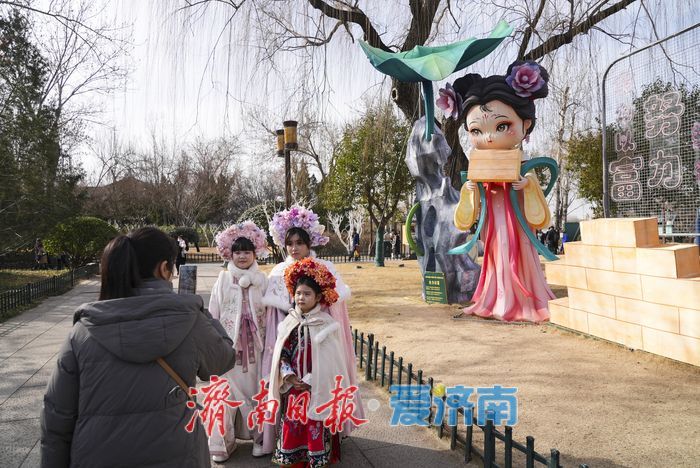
(246, 278)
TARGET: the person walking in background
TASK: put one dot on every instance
(114, 398)
(552, 239)
(40, 256)
(355, 243)
(564, 240)
(182, 248)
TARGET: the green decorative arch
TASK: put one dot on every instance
(409, 237)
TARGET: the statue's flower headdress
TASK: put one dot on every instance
(297, 216)
(318, 272)
(247, 229)
(526, 79)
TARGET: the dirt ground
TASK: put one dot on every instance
(596, 402)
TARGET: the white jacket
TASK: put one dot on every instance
(277, 295)
(327, 357)
(226, 300)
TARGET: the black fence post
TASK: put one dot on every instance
(430, 383)
(470, 434)
(489, 443)
(370, 348)
(29, 293)
(391, 369)
(530, 452)
(375, 354)
(355, 341)
(509, 447)
(554, 460)
(383, 363)
(400, 368)
(362, 348)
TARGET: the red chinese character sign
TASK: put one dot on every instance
(216, 400)
(340, 407)
(651, 136)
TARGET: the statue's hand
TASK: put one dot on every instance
(521, 184)
(471, 185)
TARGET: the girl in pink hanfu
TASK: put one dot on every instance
(236, 302)
(298, 230)
(500, 113)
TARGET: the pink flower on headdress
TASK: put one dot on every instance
(249, 230)
(525, 79)
(449, 101)
(297, 216)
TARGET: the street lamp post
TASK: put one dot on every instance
(286, 142)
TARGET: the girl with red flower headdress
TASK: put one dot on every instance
(307, 358)
(298, 231)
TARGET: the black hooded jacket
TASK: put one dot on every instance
(109, 403)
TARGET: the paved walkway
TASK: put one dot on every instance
(28, 347)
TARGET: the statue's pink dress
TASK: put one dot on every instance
(512, 286)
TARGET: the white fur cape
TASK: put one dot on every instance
(327, 357)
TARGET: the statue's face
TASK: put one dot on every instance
(496, 126)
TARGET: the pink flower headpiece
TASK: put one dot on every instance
(297, 216)
(526, 79)
(247, 229)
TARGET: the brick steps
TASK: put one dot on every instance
(625, 287)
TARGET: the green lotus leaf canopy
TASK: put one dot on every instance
(427, 64)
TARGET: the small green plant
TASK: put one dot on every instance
(83, 238)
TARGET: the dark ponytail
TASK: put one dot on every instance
(127, 260)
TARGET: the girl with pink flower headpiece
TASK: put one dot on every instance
(500, 114)
(297, 230)
(236, 302)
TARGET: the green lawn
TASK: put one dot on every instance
(10, 279)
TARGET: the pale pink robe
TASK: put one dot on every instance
(512, 286)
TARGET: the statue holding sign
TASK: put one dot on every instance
(503, 193)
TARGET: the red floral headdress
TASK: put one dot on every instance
(318, 272)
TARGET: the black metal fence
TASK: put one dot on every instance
(214, 258)
(13, 299)
(384, 368)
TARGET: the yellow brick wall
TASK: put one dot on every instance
(627, 288)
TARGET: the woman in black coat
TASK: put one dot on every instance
(109, 403)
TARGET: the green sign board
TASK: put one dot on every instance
(434, 287)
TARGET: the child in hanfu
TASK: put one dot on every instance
(307, 361)
(298, 231)
(236, 301)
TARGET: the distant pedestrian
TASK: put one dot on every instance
(552, 239)
(182, 248)
(40, 256)
(394, 240)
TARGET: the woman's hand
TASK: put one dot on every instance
(471, 185)
(521, 184)
(297, 383)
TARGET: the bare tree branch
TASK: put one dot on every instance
(554, 42)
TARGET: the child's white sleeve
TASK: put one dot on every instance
(214, 305)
